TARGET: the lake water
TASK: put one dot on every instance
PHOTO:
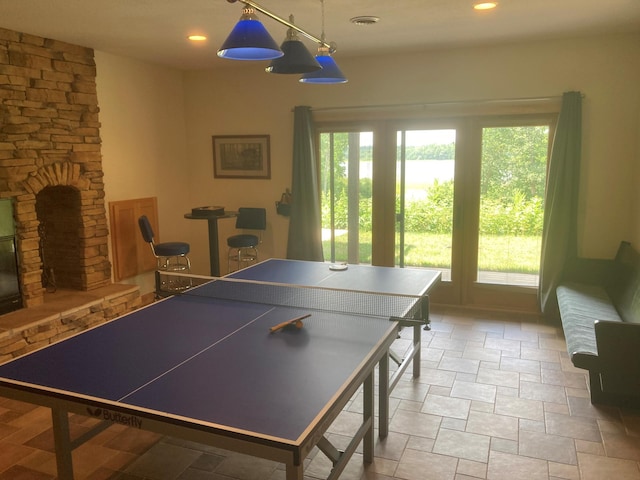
(419, 174)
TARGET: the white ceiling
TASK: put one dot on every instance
(155, 30)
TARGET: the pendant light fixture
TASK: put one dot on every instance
(249, 40)
(296, 58)
(330, 72)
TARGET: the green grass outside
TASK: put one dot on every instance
(497, 253)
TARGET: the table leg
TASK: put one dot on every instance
(62, 439)
(417, 341)
(214, 255)
(294, 472)
(383, 396)
(368, 441)
(417, 334)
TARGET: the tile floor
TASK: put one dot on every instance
(497, 399)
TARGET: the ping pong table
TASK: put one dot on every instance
(205, 366)
(363, 278)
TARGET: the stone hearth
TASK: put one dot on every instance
(63, 314)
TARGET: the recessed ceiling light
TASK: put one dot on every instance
(485, 5)
(365, 20)
(197, 38)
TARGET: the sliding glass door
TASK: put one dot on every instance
(504, 262)
(462, 196)
(425, 199)
(425, 167)
(512, 183)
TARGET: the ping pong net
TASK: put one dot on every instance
(406, 309)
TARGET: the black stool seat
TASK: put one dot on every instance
(171, 249)
(243, 241)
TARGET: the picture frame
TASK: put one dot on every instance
(241, 156)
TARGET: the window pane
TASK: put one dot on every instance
(514, 161)
(346, 176)
(425, 168)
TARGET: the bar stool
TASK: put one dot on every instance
(170, 257)
(243, 248)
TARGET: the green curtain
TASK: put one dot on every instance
(560, 233)
(305, 225)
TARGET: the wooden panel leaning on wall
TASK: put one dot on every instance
(131, 254)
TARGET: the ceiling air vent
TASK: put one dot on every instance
(365, 20)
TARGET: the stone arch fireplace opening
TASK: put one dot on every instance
(58, 210)
(61, 223)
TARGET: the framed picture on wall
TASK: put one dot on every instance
(241, 156)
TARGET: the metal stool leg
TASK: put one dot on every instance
(233, 256)
(171, 284)
(242, 257)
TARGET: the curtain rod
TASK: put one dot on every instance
(444, 103)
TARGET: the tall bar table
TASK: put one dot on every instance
(214, 248)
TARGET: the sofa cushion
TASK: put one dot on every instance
(580, 306)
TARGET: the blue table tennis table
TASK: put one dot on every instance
(205, 366)
(362, 278)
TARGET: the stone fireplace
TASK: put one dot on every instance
(51, 164)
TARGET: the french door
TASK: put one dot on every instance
(463, 196)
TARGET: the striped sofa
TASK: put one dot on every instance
(599, 303)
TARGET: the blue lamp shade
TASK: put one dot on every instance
(249, 40)
(330, 72)
(296, 58)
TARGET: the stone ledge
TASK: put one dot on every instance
(63, 314)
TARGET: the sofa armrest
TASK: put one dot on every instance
(619, 356)
(587, 360)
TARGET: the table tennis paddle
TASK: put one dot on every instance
(297, 322)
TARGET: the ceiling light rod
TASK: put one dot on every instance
(331, 46)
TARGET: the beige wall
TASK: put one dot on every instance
(144, 140)
(147, 130)
(244, 99)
